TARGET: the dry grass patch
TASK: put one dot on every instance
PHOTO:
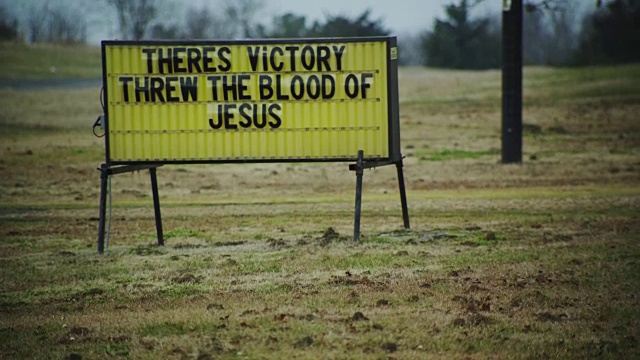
(536, 260)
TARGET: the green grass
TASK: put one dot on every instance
(535, 260)
(618, 83)
(452, 154)
(47, 61)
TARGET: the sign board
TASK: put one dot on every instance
(251, 101)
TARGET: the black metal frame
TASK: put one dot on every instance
(392, 93)
(110, 167)
(105, 172)
(359, 167)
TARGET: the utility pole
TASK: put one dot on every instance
(512, 81)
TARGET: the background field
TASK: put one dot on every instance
(538, 260)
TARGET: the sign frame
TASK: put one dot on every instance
(362, 161)
(393, 127)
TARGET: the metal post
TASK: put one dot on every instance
(156, 205)
(104, 177)
(359, 173)
(512, 81)
(403, 195)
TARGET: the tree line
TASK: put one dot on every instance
(609, 32)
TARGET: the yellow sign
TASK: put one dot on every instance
(308, 100)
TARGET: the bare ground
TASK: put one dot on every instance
(536, 260)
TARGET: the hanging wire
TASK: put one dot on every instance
(99, 121)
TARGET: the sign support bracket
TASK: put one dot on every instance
(359, 167)
(105, 172)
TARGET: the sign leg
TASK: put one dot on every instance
(104, 177)
(156, 205)
(403, 195)
(359, 173)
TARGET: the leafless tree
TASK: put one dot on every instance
(65, 25)
(36, 22)
(135, 16)
(231, 19)
(549, 37)
(409, 51)
(198, 22)
(240, 16)
(59, 23)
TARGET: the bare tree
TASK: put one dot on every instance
(36, 22)
(564, 35)
(549, 37)
(135, 16)
(65, 25)
(58, 23)
(410, 53)
(231, 19)
(240, 16)
(198, 22)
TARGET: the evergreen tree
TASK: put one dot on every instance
(288, 25)
(611, 35)
(462, 43)
(8, 26)
(342, 26)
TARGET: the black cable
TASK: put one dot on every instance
(95, 125)
(102, 98)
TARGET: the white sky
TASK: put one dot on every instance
(400, 16)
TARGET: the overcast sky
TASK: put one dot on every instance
(400, 16)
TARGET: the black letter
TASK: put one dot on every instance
(148, 52)
(217, 125)
(339, 51)
(279, 94)
(193, 58)
(125, 86)
(189, 86)
(157, 85)
(274, 66)
(323, 57)
(276, 118)
(171, 88)
(261, 121)
(328, 94)
(164, 60)
(207, 59)
(265, 59)
(177, 60)
(266, 92)
(297, 79)
(312, 57)
(214, 85)
(247, 117)
(222, 57)
(316, 87)
(351, 77)
(229, 88)
(242, 87)
(228, 116)
(365, 84)
(144, 89)
(292, 56)
(253, 57)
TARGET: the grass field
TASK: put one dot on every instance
(538, 260)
